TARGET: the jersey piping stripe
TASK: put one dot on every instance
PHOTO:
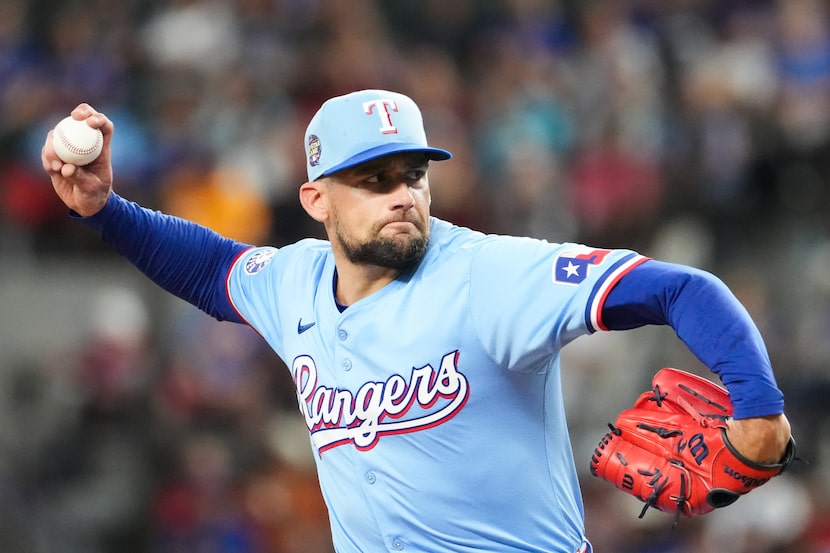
(228, 285)
(604, 286)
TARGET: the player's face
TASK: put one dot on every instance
(380, 211)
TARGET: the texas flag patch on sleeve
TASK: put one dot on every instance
(572, 266)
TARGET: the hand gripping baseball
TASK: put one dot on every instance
(671, 450)
(83, 189)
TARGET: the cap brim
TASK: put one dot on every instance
(434, 154)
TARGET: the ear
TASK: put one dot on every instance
(314, 201)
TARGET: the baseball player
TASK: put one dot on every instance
(425, 355)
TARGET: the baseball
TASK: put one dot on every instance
(76, 142)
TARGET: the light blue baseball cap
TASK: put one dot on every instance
(361, 126)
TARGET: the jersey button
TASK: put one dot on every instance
(371, 478)
(398, 544)
(342, 334)
(347, 365)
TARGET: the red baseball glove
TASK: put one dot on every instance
(670, 449)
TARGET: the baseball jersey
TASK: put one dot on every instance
(434, 405)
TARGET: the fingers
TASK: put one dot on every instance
(48, 157)
(68, 169)
(52, 164)
(93, 118)
(84, 110)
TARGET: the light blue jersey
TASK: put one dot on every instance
(397, 389)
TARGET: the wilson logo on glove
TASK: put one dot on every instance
(671, 451)
(697, 447)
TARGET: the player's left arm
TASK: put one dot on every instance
(717, 328)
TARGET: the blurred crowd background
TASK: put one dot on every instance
(690, 130)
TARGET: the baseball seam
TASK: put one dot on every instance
(75, 149)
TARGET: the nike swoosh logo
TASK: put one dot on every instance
(303, 327)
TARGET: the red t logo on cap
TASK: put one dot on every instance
(382, 107)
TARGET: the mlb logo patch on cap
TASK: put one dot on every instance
(351, 129)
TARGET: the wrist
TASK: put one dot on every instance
(760, 440)
(92, 205)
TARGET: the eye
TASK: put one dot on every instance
(385, 178)
(368, 181)
(415, 174)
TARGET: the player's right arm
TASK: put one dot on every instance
(186, 259)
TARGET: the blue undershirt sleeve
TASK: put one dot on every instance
(708, 318)
(188, 260)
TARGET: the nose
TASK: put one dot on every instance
(402, 196)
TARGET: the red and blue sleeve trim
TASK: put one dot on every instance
(593, 309)
(228, 285)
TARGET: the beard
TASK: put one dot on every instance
(398, 253)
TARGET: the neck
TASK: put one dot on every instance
(355, 282)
